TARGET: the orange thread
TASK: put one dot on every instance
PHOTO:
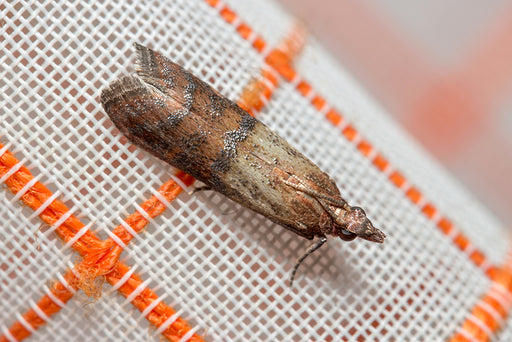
(445, 226)
(334, 118)
(47, 305)
(490, 311)
(397, 179)
(228, 14)
(461, 241)
(159, 314)
(212, 3)
(380, 162)
(318, 103)
(244, 30)
(100, 258)
(429, 210)
(304, 88)
(350, 132)
(365, 148)
(414, 195)
(259, 44)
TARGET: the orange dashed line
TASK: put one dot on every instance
(445, 226)
(350, 132)
(333, 117)
(365, 148)
(477, 257)
(159, 314)
(461, 241)
(228, 14)
(244, 30)
(47, 305)
(414, 195)
(259, 44)
(380, 162)
(212, 3)
(429, 210)
(319, 103)
(304, 88)
(397, 179)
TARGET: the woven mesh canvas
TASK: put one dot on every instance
(102, 241)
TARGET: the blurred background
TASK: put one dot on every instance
(442, 68)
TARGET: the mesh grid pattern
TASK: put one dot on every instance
(222, 267)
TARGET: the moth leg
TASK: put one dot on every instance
(311, 249)
(201, 188)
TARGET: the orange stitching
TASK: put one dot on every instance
(334, 118)
(397, 179)
(257, 93)
(430, 211)
(100, 257)
(365, 148)
(445, 226)
(160, 312)
(380, 162)
(47, 305)
(245, 31)
(414, 195)
(350, 132)
(490, 311)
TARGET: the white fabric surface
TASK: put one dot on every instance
(224, 267)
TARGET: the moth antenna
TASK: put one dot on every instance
(311, 249)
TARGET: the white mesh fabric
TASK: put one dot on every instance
(223, 267)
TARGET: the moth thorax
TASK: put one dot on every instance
(340, 225)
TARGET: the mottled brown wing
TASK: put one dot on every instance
(179, 119)
(183, 121)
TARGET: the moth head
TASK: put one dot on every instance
(353, 223)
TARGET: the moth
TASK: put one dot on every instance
(183, 121)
